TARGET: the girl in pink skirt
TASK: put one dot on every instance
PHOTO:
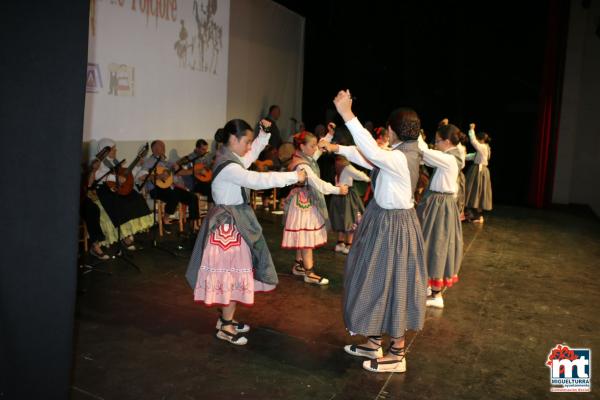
(306, 216)
(230, 260)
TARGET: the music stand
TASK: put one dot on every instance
(122, 252)
(85, 267)
(155, 244)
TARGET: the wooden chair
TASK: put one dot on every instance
(160, 210)
(83, 235)
(254, 196)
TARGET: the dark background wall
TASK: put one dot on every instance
(43, 57)
(579, 135)
(467, 61)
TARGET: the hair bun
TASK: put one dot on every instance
(220, 135)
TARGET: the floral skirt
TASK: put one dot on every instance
(304, 224)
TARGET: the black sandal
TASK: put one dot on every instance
(233, 338)
(240, 327)
(315, 281)
(363, 351)
(398, 365)
(298, 268)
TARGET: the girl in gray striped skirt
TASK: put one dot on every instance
(385, 278)
(345, 211)
(439, 215)
(479, 186)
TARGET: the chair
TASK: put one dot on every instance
(254, 202)
(83, 235)
(160, 210)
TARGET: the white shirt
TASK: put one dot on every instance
(315, 182)
(313, 179)
(445, 177)
(226, 187)
(393, 188)
(103, 169)
(349, 174)
(483, 150)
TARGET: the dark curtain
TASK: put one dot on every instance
(546, 143)
(43, 58)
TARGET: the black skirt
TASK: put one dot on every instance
(122, 209)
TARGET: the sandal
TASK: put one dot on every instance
(99, 255)
(298, 268)
(233, 338)
(363, 351)
(397, 365)
(315, 279)
(240, 327)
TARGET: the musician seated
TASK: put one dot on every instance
(201, 162)
(127, 211)
(165, 182)
(268, 160)
(90, 212)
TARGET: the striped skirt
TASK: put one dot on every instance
(343, 211)
(442, 233)
(460, 197)
(385, 283)
(478, 190)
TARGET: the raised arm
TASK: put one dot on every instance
(327, 138)
(476, 145)
(258, 145)
(392, 161)
(237, 175)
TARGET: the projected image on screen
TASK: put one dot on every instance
(157, 69)
(201, 51)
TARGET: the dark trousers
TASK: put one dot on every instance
(91, 215)
(174, 196)
(205, 189)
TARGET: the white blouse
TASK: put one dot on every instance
(483, 151)
(103, 169)
(349, 174)
(226, 187)
(393, 188)
(317, 183)
(445, 177)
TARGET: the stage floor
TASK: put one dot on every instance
(527, 283)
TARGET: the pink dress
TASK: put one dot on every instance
(226, 272)
(304, 225)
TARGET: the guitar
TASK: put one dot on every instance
(127, 186)
(88, 186)
(202, 172)
(168, 181)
